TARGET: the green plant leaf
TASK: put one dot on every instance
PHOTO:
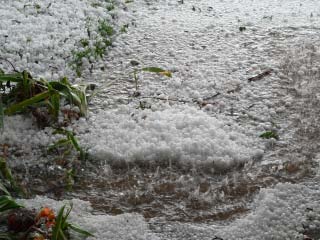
(55, 103)
(57, 231)
(6, 172)
(4, 189)
(21, 105)
(59, 143)
(62, 225)
(74, 141)
(157, 70)
(269, 135)
(80, 230)
(15, 77)
(26, 83)
(7, 203)
(153, 69)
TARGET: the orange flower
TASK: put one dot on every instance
(46, 213)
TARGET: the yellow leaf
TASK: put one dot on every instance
(166, 73)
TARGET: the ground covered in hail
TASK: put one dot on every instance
(184, 157)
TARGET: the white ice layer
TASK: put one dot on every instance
(24, 139)
(184, 134)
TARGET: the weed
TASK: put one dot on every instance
(5, 173)
(98, 47)
(124, 28)
(110, 7)
(269, 135)
(105, 29)
(84, 42)
(66, 145)
(69, 142)
(78, 58)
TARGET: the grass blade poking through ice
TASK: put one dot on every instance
(157, 70)
(22, 105)
(61, 227)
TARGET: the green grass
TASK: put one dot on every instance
(68, 142)
(105, 29)
(269, 135)
(98, 47)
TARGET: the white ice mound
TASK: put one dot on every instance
(104, 227)
(22, 132)
(278, 213)
(185, 134)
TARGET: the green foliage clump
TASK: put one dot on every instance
(269, 135)
(92, 48)
(22, 93)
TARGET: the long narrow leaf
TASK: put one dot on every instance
(65, 217)
(5, 171)
(153, 69)
(80, 230)
(7, 203)
(4, 189)
(21, 105)
(15, 77)
(59, 143)
(76, 95)
(157, 70)
(83, 98)
(56, 231)
(74, 141)
(26, 83)
(55, 102)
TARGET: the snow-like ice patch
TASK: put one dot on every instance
(177, 133)
(22, 131)
(121, 227)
